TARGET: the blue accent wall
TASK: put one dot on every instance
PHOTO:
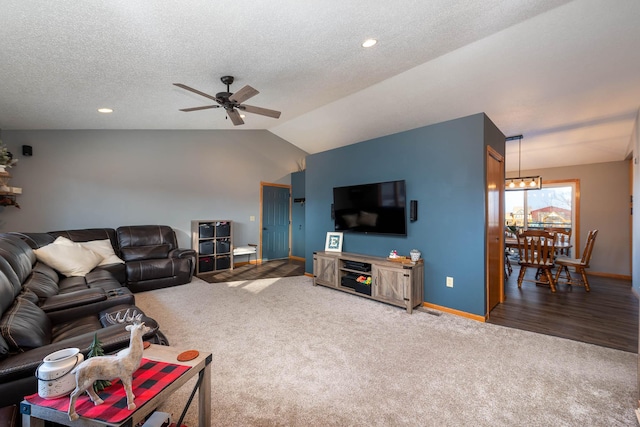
(298, 228)
(444, 166)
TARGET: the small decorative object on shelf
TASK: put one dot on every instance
(415, 255)
(7, 194)
(6, 158)
(394, 254)
(9, 200)
(95, 349)
(334, 241)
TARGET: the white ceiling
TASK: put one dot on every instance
(565, 74)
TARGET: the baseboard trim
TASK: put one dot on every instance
(308, 274)
(297, 258)
(609, 275)
(241, 263)
(454, 311)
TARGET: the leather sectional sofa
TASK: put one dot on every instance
(43, 309)
(152, 258)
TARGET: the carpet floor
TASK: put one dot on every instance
(287, 353)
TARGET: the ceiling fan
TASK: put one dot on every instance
(232, 102)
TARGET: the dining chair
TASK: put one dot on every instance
(536, 249)
(579, 265)
(507, 263)
(563, 236)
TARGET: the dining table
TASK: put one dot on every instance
(512, 243)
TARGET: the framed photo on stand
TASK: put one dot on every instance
(334, 241)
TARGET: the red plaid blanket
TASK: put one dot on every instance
(149, 380)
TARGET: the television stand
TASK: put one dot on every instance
(391, 282)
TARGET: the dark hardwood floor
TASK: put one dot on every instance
(269, 269)
(607, 316)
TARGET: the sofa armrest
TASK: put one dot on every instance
(182, 253)
(73, 299)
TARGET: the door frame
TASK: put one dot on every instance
(272, 184)
(493, 155)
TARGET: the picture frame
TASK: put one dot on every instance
(333, 242)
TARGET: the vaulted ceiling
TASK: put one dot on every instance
(562, 73)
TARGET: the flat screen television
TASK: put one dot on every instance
(371, 208)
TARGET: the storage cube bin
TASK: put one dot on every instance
(223, 262)
(223, 246)
(223, 229)
(205, 264)
(206, 230)
(205, 248)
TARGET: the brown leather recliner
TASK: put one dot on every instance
(152, 257)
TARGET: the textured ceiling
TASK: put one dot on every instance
(563, 74)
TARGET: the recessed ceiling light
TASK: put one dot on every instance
(369, 42)
(105, 110)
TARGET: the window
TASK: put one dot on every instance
(555, 205)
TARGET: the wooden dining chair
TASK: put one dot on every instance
(579, 265)
(563, 236)
(536, 251)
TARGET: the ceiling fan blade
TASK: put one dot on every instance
(196, 91)
(235, 117)
(206, 107)
(243, 94)
(259, 110)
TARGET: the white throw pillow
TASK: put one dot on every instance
(101, 247)
(104, 248)
(70, 260)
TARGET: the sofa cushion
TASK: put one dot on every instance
(10, 287)
(34, 240)
(18, 254)
(41, 284)
(25, 326)
(139, 253)
(72, 284)
(103, 279)
(146, 235)
(75, 327)
(70, 260)
(4, 348)
(44, 269)
(138, 271)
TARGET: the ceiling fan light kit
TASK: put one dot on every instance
(521, 182)
(231, 102)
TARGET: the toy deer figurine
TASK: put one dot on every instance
(122, 366)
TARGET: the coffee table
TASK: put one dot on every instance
(35, 415)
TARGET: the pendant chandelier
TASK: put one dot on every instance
(521, 182)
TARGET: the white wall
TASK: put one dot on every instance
(107, 178)
(604, 204)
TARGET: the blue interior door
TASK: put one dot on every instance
(275, 222)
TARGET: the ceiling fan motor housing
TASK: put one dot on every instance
(227, 80)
